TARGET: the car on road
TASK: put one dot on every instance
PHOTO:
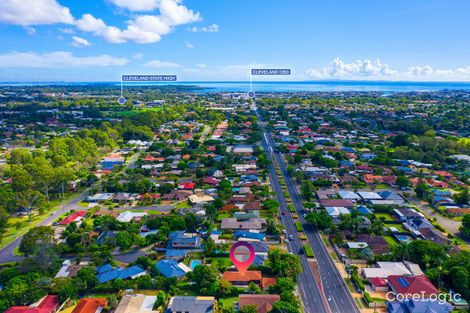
(283, 213)
(291, 237)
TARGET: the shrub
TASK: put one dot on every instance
(309, 251)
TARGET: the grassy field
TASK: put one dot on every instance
(18, 226)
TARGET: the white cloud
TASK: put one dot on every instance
(137, 56)
(137, 5)
(34, 12)
(338, 69)
(420, 70)
(80, 42)
(67, 30)
(445, 74)
(143, 29)
(162, 64)
(57, 59)
(213, 28)
(30, 30)
(189, 45)
(176, 14)
(377, 70)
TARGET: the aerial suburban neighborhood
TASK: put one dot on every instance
(131, 209)
(236, 156)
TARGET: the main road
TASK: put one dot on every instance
(338, 298)
(312, 299)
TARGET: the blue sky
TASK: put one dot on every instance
(98, 40)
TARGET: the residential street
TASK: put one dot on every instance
(335, 289)
(6, 254)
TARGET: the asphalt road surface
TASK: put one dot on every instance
(6, 254)
(312, 299)
(336, 293)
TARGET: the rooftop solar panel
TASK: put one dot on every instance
(403, 282)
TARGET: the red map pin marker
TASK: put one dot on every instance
(242, 255)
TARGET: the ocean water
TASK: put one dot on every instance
(319, 86)
(285, 86)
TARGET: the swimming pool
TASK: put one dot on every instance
(403, 238)
(194, 263)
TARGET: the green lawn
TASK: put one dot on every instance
(385, 216)
(220, 217)
(219, 262)
(228, 302)
(390, 241)
(182, 205)
(398, 226)
(18, 226)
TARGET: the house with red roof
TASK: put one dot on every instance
(412, 285)
(74, 217)
(48, 304)
(151, 158)
(268, 281)
(211, 181)
(263, 303)
(187, 185)
(379, 284)
(245, 279)
(90, 305)
(364, 169)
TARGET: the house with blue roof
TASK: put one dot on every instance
(419, 306)
(391, 196)
(442, 193)
(346, 164)
(248, 236)
(104, 268)
(176, 254)
(368, 156)
(404, 162)
(349, 150)
(364, 210)
(182, 240)
(404, 169)
(249, 178)
(171, 268)
(107, 273)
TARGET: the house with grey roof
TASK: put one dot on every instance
(188, 304)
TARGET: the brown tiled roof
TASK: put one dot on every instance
(247, 277)
(264, 303)
(89, 305)
(268, 281)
